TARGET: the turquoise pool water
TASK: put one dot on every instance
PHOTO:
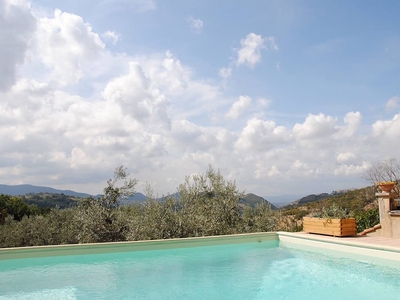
(240, 271)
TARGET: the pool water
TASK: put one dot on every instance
(239, 271)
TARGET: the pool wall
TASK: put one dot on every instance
(79, 249)
(343, 247)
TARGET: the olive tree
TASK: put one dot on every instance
(100, 219)
(210, 205)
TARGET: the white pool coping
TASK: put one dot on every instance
(98, 248)
(361, 248)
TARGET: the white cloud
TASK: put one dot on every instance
(238, 107)
(352, 122)
(195, 24)
(250, 52)
(153, 113)
(263, 102)
(345, 157)
(225, 73)
(17, 25)
(135, 95)
(387, 133)
(351, 170)
(393, 103)
(111, 36)
(192, 137)
(314, 127)
(259, 135)
(67, 45)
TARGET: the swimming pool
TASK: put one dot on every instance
(241, 267)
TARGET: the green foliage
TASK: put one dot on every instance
(334, 211)
(55, 228)
(48, 200)
(16, 207)
(100, 220)
(208, 205)
(296, 212)
(260, 218)
(350, 201)
(113, 193)
(367, 219)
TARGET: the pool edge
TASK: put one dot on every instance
(339, 245)
(97, 248)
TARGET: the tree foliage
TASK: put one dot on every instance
(207, 205)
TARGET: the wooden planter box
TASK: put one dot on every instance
(335, 227)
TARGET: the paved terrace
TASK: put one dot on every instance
(376, 242)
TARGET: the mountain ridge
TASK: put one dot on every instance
(249, 199)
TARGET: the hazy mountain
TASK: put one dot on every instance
(24, 189)
(137, 197)
(318, 197)
(252, 200)
(282, 200)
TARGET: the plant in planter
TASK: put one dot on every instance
(333, 221)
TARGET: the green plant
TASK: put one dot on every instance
(367, 219)
(334, 211)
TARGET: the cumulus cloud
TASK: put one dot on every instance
(315, 126)
(393, 103)
(136, 97)
(345, 157)
(238, 107)
(259, 135)
(195, 24)
(17, 25)
(111, 36)
(387, 132)
(225, 73)
(351, 170)
(192, 97)
(250, 52)
(154, 115)
(352, 122)
(67, 45)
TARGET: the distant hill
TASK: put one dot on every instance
(310, 198)
(282, 200)
(317, 197)
(50, 197)
(252, 200)
(50, 200)
(137, 197)
(44, 196)
(352, 200)
(24, 189)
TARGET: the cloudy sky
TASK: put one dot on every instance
(285, 97)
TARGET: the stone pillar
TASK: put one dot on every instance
(385, 206)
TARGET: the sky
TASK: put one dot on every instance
(283, 97)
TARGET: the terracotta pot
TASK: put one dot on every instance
(386, 186)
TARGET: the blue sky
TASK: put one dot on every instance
(297, 92)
